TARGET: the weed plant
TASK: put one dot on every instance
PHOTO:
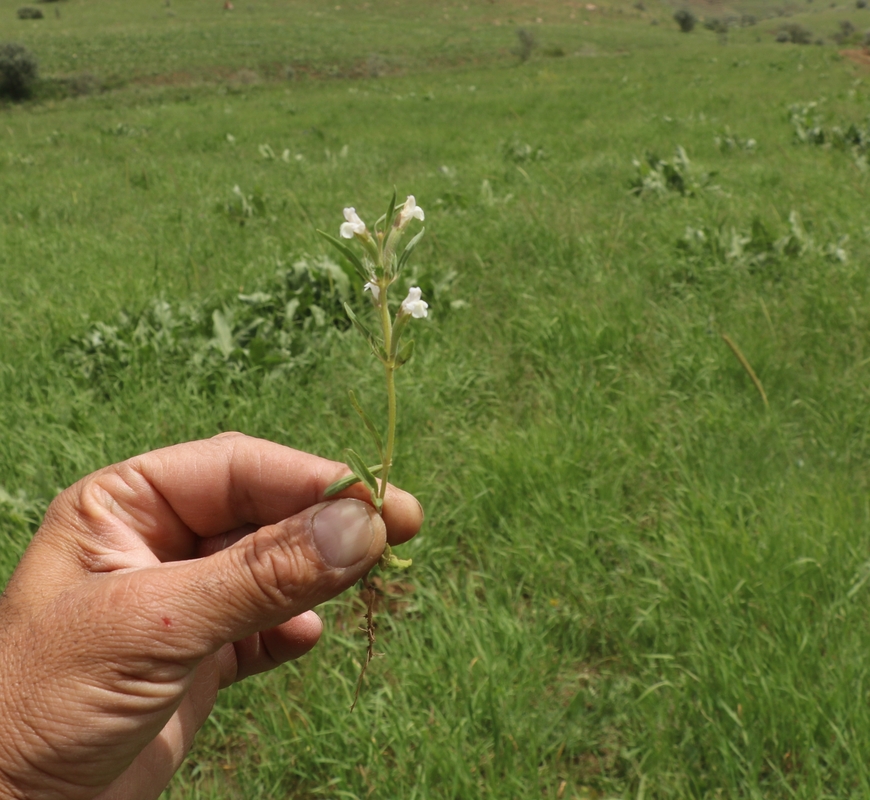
(635, 579)
(18, 71)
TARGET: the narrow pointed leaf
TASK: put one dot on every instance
(405, 353)
(391, 212)
(223, 334)
(373, 343)
(368, 423)
(340, 485)
(409, 248)
(347, 481)
(348, 254)
(359, 468)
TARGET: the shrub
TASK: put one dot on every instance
(716, 25)
(860, 3)
(685, 19)
(18, 71)
(29, 12)
(846, 32)
(794, 33)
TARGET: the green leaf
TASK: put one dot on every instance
(358, 467)
(340, 485)
(390, 561)
(222, 333)
(405, 353)
(373, 343)
(391, 212)
(348, 254)
(408, 250)
(347, 481)
(368, 423)
(289, 312)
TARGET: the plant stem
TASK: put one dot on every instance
(390, 369)
(747, 366)
(391, 426)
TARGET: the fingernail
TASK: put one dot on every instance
(343, 532)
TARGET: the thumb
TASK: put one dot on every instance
(275, 573)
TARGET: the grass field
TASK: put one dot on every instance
(636, 579)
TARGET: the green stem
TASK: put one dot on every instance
(390, 368)
(391, 427)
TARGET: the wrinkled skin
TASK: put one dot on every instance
(154, 583)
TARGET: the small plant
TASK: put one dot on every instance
(728, 142)
(525, 45)
(846, 33)
(657, 176)
(518, 152)
(808, 129)
(244, 206)
(29, 12)
(274, 329)
(18, 71)
(794, 33)
(806, 122)
(758, 247)
(685, 19)
(716, 25)
(379, 268)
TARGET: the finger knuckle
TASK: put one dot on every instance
(280, 571)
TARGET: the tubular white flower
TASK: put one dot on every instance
(410, 210)
(374, 289)
(353, 225)
(414, 305)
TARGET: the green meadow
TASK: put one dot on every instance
(643, 574)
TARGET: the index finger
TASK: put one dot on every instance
(213, 486)
(230, 480)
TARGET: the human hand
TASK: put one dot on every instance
(155, 582)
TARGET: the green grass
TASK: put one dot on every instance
(634, 580)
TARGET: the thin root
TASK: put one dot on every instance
(369, 630)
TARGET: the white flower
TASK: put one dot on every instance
(353, 224)
(414, 305)
(410, 210)
(374, 289)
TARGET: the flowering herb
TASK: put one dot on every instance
(378, 267)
